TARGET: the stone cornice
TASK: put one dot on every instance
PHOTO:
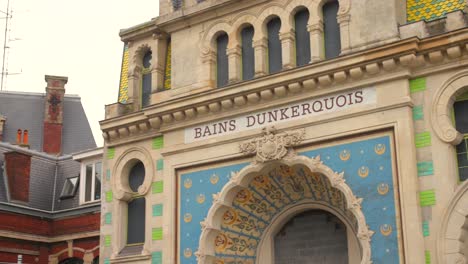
(46, 239)
(411, 54)
(139, 31)
(201, 12)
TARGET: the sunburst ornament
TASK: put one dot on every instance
(214, 179)
(386, 229)
(363, 172)
(383, 188)
(187, 252)
(345, 155)
(229, 217)
(201, 198)
(243, 196)
(188, 183)
(187, 218)
(380, 149)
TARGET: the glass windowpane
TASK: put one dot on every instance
(137, 176)
(275, 61)
(331, 30)
(301, 20)
(222, 67)
(88, 182)
(248, 56)
(97, 181)
(136, 221)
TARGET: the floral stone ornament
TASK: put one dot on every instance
(272, 145)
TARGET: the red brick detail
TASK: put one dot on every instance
(57, 247)
(84, 223)
(37, 226)
(13, 258)
(52, 138)
(18, 168)
(13, 244)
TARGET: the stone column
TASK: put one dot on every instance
(234, 62)
(317, 49)
(343, 20)
(158, 62)
(209, 68)
(134, 87)
(287, 49)
(88, 258)
(260, 51)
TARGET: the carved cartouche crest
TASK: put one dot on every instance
(272, 145)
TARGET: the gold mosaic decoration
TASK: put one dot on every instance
(418, 10)
(123, 87)
(265, 197)
(168, 70)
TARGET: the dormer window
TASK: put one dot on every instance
(91, 176)
(69, 188)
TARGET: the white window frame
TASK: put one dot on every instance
(83, 182)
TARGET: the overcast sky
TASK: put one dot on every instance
(78, 39)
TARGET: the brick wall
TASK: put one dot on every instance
(18, 168)
(52, 138)
(312, 237)
(37, 226)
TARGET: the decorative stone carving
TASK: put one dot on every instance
(210, 226)
(273, 145)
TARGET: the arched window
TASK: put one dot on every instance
(222, 69)
(302, 37)
(275, 61)
(248, 59)
(331, 30)
(146, 80)
(312, 237)
(460, 109)
(136, 207)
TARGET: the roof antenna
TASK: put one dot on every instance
(8, 16)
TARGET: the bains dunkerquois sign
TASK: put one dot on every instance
(294, 111)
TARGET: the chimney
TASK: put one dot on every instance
(2, 125)
(53, 118)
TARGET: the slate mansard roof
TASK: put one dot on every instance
(26, 111)
(48, 172)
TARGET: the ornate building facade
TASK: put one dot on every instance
(290, 131)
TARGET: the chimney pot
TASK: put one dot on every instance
(26, 138)
(18, 136)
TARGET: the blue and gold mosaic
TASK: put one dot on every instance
(368, 171)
